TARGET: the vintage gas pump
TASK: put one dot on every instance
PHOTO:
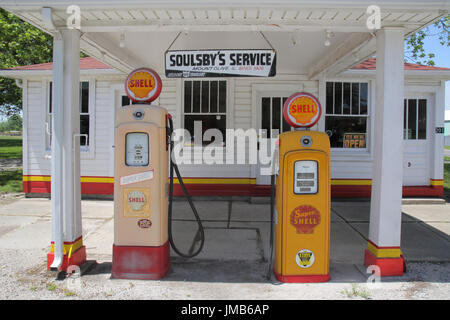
(141, 185)
(302, 203)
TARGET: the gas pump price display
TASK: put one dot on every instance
(305, 177)
(137, 149)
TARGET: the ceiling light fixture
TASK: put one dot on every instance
(122, 40)
(328, 36)
(295, 37)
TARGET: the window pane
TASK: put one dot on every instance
(346, 99)
(84, 129)
(222, 96)
(50, 97)
(205, 96)
(196, 97)
(412, 119)
(265, 116)
(286, 126)
(363, 96)
(207, 122)
(405, 115)
(214, 86)
(329, 101)
(125, 101)
(276, 119)
(338, 126)
(188, 96)
(422, 126)
(84, 100)
(355, 98)
(337, 98)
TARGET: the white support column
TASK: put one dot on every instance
(57, 154)
(65, 180)
(71, 146)
(386, 199)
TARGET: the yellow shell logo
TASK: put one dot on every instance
(136, 200)
(141, 84)
(303, 109)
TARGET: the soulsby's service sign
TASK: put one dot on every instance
(220, 63)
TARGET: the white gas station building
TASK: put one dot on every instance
(385, 117)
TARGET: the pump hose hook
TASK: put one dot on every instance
(200, 236)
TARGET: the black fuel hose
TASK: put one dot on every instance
(272, 204)
(200, 236)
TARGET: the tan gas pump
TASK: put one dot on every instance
(302, 231)
(141, 246)
(142, 193)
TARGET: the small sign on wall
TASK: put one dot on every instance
(439, 130)
(354, 140)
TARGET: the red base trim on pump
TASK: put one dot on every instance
(77, 258)
(302, 279)
(389, 267)
(140, 263)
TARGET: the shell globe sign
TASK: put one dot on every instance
(302, 110)
(143, 85)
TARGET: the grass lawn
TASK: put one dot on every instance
(447, 177)
(11, 181)
(10, 147)
(447, 147)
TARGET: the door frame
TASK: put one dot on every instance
(260, 90)
(430, 97)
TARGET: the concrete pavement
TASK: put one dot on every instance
(233, 263)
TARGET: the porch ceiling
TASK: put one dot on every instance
(213, 24)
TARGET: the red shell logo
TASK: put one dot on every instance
(302, 110)
(143, 85)
(305, 218)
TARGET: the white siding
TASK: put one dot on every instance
(92, 164)
(99, 162)
(36, 97)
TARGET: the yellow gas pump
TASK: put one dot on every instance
(302, 203)
(142, 194)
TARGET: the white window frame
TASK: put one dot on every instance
(229, 123)
(355, 154)
(85, 152)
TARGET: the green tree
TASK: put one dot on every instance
(20, 44)
(14, 123)
(415, 50)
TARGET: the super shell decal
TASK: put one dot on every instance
(305, 218)
(304, 258)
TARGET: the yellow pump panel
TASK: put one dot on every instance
(303, 202)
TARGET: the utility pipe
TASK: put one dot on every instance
(57, 141)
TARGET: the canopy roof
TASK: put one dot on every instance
(296, 29)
